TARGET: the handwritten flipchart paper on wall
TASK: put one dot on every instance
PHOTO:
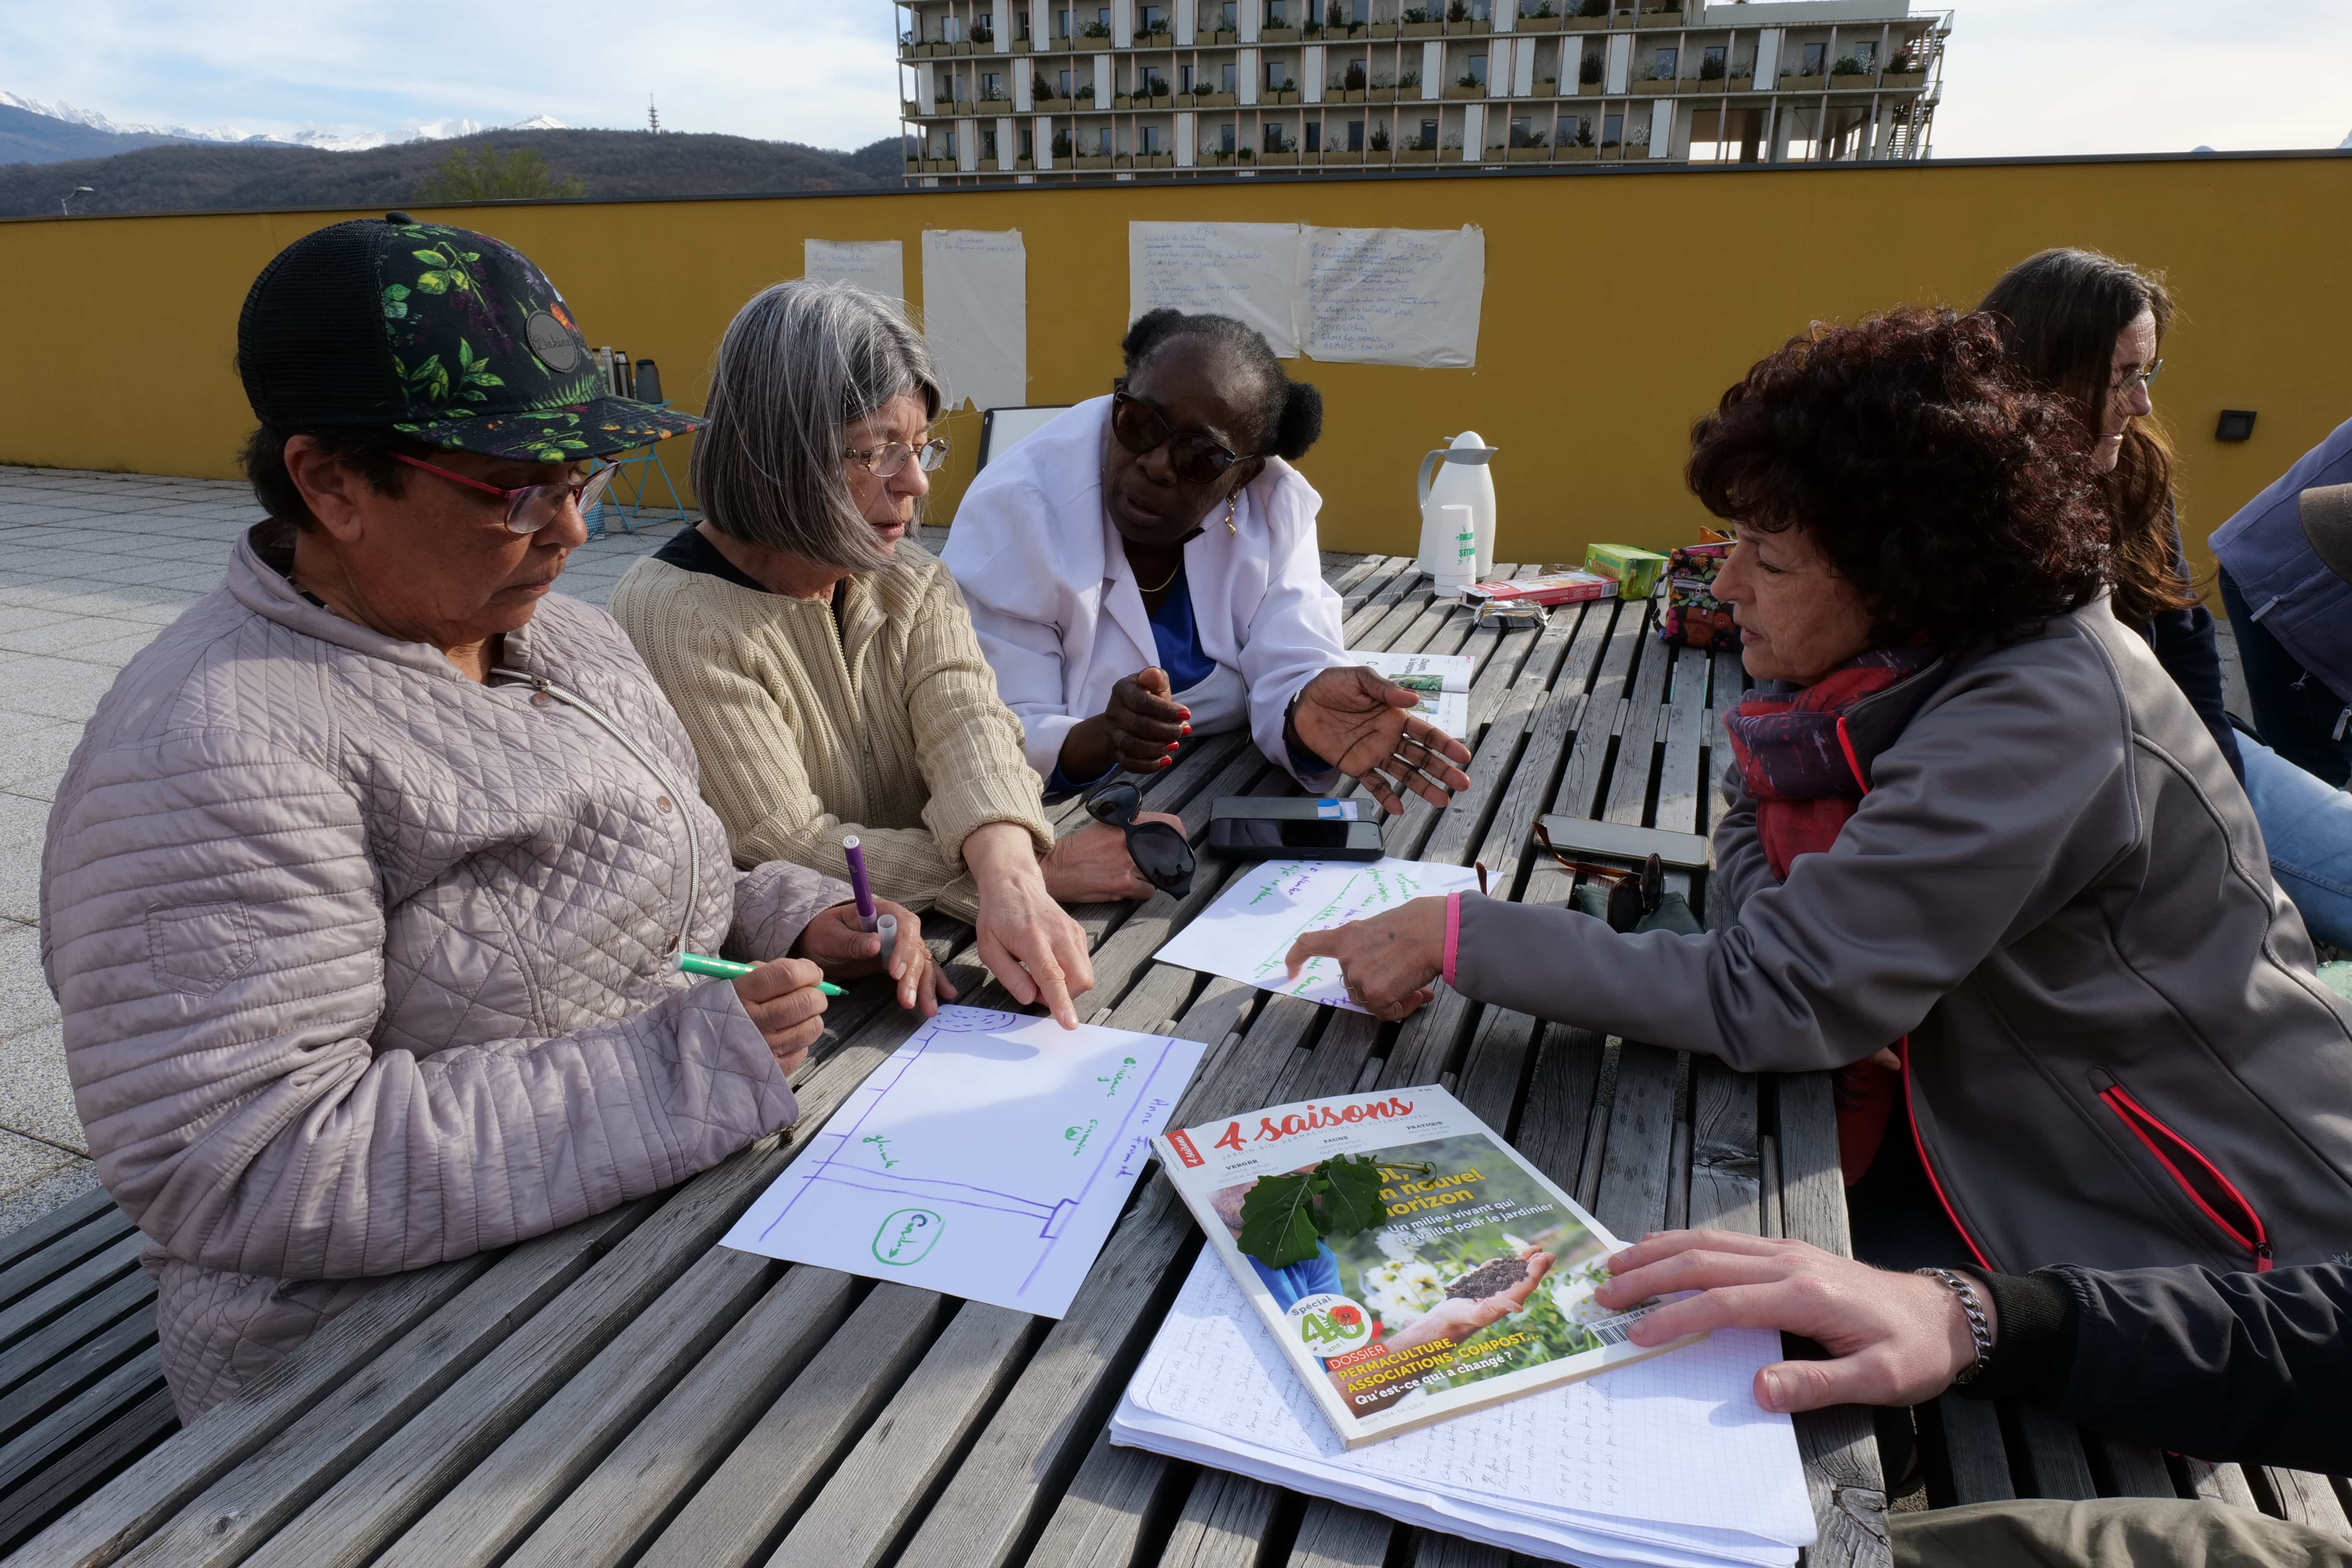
(1246, 271)
(976, 314)
(1366, 295)
(1395, 296)
(879, 265)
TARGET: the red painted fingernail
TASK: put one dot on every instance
(1165, 761)
(1188, 729)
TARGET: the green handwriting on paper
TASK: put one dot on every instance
(881, 1150)
(1078, 1137)
(1114, 1079)
(907, 1237)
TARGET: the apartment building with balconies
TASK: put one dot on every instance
(1032, 91)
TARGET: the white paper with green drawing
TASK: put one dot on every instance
(1246, 933)
(1442, 678)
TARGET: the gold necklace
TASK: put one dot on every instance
(1162, 588)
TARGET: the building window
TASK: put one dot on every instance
(1520, 126)
(1355, 136)
(1360, 13)
(1020, 24)
(992, 85)
(1230, 18)
(1277, 13)
(947, 142)
(1275, 75)
(1028, 142)
(1569, 130)
(1225, 137)
(1068, 84)
(1315, 136)
(1814, 55)
(1225, 78)
(988, 146)
(1154, 84)
(951, 29)
(1184, 79)
(1152, 19)
(1612, 130)
(1866, 56)
(1151, 141)
(1663, 68)
(1103, 142)
(1429, 136)
(1273, 137)
(1475, 67)
(1710, 64)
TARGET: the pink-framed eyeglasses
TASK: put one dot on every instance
(528, 508)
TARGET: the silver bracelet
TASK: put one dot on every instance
(1979, 1329)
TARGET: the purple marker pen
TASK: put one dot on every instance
(858, 885)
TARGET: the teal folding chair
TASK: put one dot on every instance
(636, 470)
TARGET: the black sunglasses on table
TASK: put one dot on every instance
(1159, 851)
(1198, 458)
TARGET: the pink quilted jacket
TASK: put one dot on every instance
(365, 966)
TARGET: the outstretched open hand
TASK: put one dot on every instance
(1365, 725)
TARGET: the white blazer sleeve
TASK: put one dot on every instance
(1016, 613)
(1294, 634)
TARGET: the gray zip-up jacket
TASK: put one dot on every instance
(365, 965)
(2120, 1054)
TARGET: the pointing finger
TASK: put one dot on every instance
(1312, 944)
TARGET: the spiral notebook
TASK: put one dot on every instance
(1667, 1462)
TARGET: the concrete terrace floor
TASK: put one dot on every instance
(91, 566)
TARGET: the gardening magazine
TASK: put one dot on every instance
(1409, 1264)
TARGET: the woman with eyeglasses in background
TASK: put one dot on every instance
(824, 661)
(1144, 568)
(2092, 328)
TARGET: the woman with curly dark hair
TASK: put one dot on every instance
(1970, 822)
(2092, 329)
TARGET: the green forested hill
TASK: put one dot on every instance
(196, 176)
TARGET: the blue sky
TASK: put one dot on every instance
(2023, 75)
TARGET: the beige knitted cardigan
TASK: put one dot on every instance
(890, 728)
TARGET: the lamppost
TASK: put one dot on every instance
(66, 211)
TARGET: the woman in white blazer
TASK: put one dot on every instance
(1144, 568)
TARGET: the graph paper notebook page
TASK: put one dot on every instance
(1246, 933)
(1667, 1460)
(987, 1158)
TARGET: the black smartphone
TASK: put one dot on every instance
(1263, 839)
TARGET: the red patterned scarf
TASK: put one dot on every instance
(1798, 763)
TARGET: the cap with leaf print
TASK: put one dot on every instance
(441, 333)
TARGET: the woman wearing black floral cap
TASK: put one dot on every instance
(364, 893)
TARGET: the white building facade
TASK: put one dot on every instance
(1030, 91)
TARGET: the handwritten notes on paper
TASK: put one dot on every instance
(1395, 296)
(976, 314)
(1246, 271)
(987, 1158)
(1246, 934)
(1369, 296)
(878, 265)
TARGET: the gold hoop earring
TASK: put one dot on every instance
(1230, 501)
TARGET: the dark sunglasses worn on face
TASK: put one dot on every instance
(1159, 851)
(528, 508)
(1197, 458)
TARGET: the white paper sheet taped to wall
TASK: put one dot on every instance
(1366, 295)
(879, 265)
(1395, 296)
(1247, 270)
(976, 314)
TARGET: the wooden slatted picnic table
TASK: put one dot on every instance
(626, 1390)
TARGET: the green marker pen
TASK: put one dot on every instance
(727, 969)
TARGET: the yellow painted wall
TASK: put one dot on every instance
(1618, 307)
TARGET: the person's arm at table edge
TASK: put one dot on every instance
(1801, 978)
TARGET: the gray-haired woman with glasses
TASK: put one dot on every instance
(825, 663)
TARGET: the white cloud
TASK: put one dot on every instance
(802, 71)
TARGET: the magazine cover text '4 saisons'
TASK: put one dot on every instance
(1409, 1264)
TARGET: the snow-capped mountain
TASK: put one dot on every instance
(325, 138)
